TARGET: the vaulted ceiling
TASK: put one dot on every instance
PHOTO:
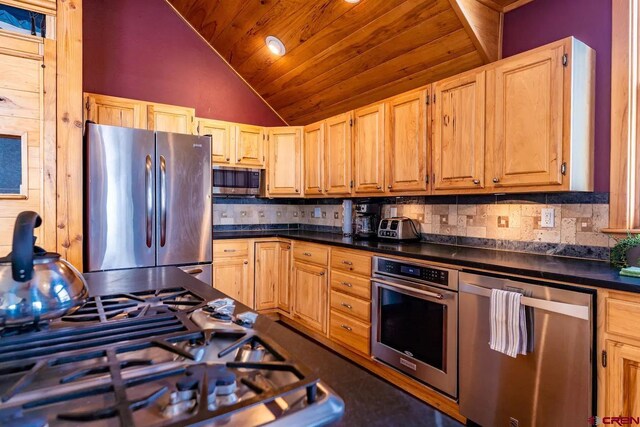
(342, 55)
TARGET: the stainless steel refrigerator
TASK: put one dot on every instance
(147, 200)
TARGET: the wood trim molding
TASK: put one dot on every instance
(624, 210)
(48, 7)
(69, 131)
(484, 26)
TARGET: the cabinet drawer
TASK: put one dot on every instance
(350, 332)
(311, 253)
(351, 306)
(352, 285)
(352, 262)
(230, 248)
(622, 318)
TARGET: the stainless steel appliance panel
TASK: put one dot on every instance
(119, 186)
(234, 181)
(415, 321)
(201, 272)
(183, 194)
(552, 385)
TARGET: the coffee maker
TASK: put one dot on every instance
(366, 220)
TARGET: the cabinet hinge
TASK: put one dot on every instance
(428, 98)
(351, 184)
(264, 137)
(434, 98)
(433, 178)
(87, 105)
(563, 168)
(350, 122)
(267, 187)
(604, 358)
(565, 59)
(427, 178)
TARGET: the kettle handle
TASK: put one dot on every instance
(23, 242)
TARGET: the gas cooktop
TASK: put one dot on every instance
(154, 358)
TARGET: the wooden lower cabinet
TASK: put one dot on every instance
(231, 276)
(310, 296)
(272, 275)
(623, 380)
(350, 332)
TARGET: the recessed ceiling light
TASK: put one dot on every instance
(275, 45)
(352, 1)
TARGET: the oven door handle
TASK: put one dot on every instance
(409, 288)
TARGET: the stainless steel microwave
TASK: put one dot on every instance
(237, 181)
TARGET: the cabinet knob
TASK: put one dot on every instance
(297, 190)
(344, 304)
(345, 327)
(379, 187)
(496, 180)
(320, 189)
(345, 262)
(347, 284)
(476, 181)
(445, 119)
(389, 187)
(228, 158)
(246, 262)
(322, 273)
(307, 254)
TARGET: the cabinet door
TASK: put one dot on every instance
(285, 163)
(623, 380)
(113, 111)
(525, 120)
(220, 133)
(310, 296)
(284, 275)
(170, 118)
(250, 146)
(458, 133)
(314, 159)
(267, 274)
(406, 144)
(368, 152)
(231, 276)
(337, 155)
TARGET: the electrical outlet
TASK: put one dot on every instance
(547, 218)
(261, 214)
(324, 214)
(243, 213)
(393, 212)
(317, 212)
(336, 215)
(295, 214)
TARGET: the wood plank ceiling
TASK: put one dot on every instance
(341, 55)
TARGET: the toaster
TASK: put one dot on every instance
(399, 228)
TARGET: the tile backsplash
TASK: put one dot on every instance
(504, 222)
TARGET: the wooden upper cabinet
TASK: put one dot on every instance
(170, 118)
(220, 132)
(337, 154)
(525, 119)
(313, 159)
(368, 149)
(249, 142)
(114, 111)
(284, 175)
(406, 142)
(458, 145)
(231, 275)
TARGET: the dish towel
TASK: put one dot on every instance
(508, 323)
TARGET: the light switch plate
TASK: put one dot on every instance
(547, 218)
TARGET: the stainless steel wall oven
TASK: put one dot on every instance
(415, 321)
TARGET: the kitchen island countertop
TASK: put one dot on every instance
(368, 399)
(563, 269)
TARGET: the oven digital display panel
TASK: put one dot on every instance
(428, 274)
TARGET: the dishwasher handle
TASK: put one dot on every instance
(572, 310)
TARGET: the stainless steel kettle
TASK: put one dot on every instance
(36, 285)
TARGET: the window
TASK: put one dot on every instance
(624, 212)
(22, 21)
(13, 166)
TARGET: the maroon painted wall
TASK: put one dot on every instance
(545, 21)
(142, 49)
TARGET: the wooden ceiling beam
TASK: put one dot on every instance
(484, 26)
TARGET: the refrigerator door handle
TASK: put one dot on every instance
(163, 201)
(148, 180)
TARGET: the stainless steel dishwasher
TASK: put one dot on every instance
(553, 384)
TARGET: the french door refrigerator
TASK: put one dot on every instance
(147, 200)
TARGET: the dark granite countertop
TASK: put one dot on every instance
(368, 399)
(570, 270)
